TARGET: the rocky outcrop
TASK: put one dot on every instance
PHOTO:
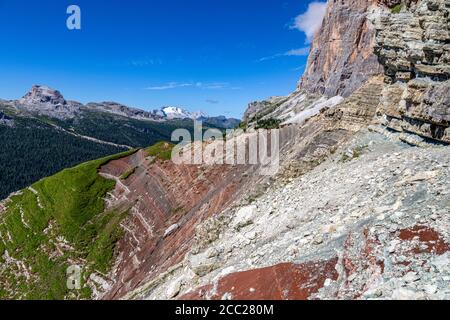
(341, 57)
(413, 46)
(359, 109)
(260, 109)
(43, 95)
(6, 120)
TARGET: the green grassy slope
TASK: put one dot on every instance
(160, 150)
(57, 222)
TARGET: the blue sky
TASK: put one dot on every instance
(209, 55)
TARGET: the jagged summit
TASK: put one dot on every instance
(43, 95)
(47, 101)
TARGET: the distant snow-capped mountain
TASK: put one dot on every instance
(172, 113)
(46, 101)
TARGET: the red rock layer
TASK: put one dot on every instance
(428, 237)
(161, 196)
(363, 258)
(285, 281)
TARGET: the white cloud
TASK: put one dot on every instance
(212, 86)
(294, 52)
(144, 62)
(170, 85)
(298, 52)
(201, 85)
(311, 21)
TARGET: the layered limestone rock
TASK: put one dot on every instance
(414, 48)
(342, 57)
(358, 110)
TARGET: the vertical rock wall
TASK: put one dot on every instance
(342, 57)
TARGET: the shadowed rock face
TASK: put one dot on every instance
(5, 120)
(342, 57)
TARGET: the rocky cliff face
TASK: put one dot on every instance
(341, 60)
(342, 56)
(414, 47)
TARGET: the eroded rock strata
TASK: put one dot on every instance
(414, 48)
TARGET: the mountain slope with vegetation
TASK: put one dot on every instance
(33, 149)
(57, 222)
(43, 133)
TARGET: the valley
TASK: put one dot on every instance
(43, 134)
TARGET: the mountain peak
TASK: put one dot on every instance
(47, 101)
(180, 113)
(43, 95)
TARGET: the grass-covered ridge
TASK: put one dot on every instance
(57, 222)
(161, 150)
